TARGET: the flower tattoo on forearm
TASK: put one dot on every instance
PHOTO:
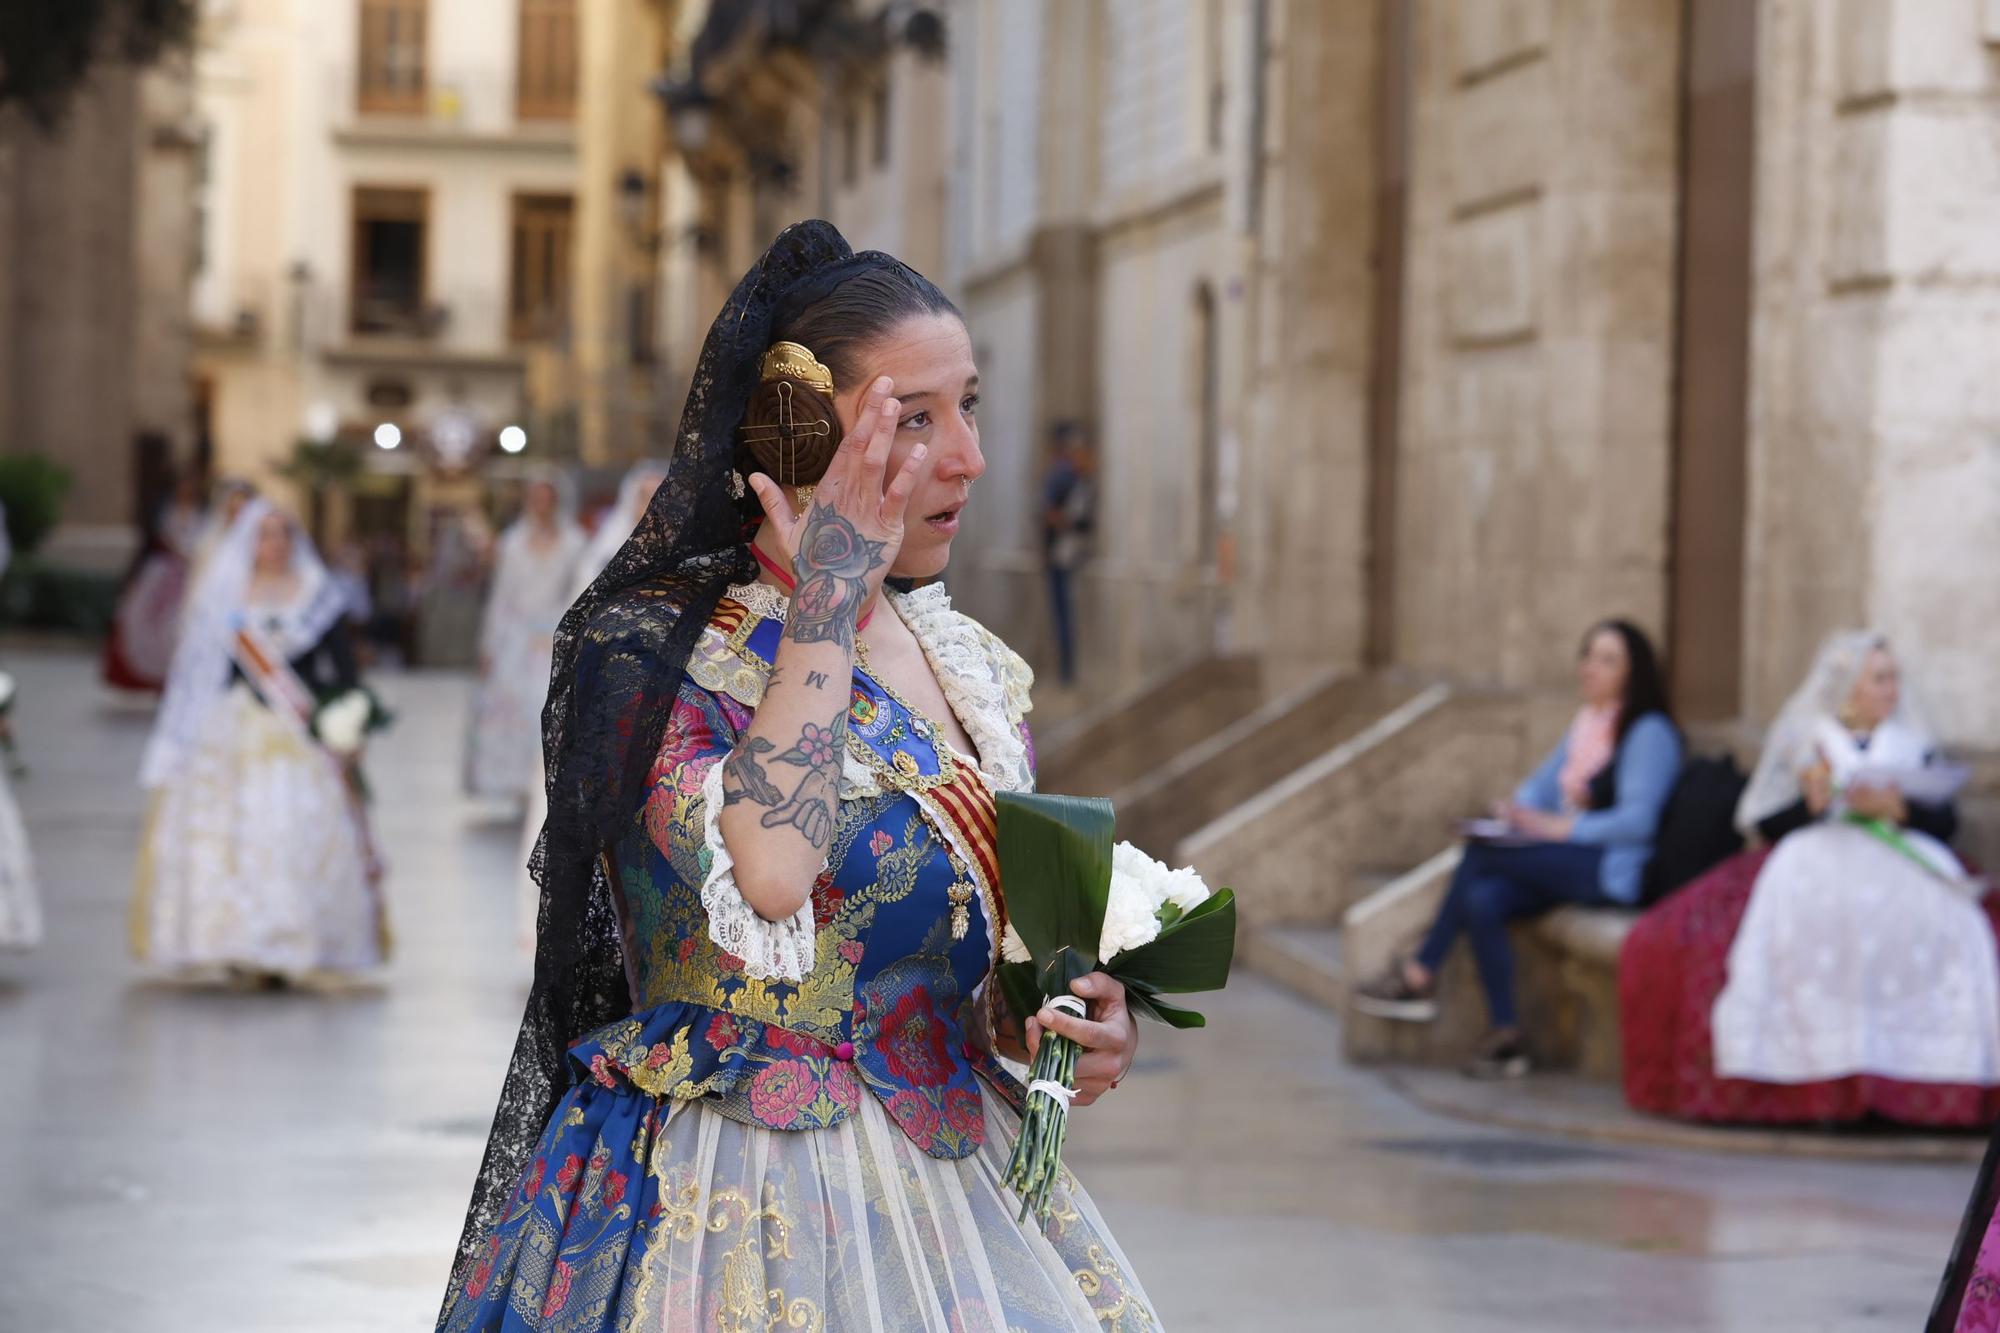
(810, 807)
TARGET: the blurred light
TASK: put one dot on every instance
(513, 439)
(322, 423)
(388, 435)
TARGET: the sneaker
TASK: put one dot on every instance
(1392, 996)
(1501, 1055)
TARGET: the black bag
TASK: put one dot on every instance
(1698, 827)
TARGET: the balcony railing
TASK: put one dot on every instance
(445, 104)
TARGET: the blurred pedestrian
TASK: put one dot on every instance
(1069, 516)
(20, 901)
(614, 526)
(534, 576)
(1847, 970)
(1579, 831)
(140, 645)
(255, 857)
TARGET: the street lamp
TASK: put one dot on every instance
(513, 439)
(388, 435)
(690, 111)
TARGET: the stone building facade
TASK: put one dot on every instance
(1415, 336)
(1533, 311)
(388, 219)
(96, 252)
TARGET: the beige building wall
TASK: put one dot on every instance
(95, 261)
(724, 199)
(1875, 423)
(1010, 110)
(1532, 475)
(1101, 266)
(1305, 480)
(621, 130)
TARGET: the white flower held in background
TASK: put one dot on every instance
(344, 721)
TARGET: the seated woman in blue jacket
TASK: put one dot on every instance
(1579, 830)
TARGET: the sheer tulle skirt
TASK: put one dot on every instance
(637, 1215)
(254, 857)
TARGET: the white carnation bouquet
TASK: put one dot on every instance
(343, 721)
(1077, 904)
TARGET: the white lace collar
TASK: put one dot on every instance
(982, 679)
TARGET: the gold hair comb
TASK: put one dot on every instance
(791, 361)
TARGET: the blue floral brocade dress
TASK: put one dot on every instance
(801, 1125)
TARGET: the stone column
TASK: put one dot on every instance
(1304, 480)
(1536, 409)
(1875, 423)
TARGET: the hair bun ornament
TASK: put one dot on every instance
(790, 428)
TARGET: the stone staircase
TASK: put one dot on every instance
(1104, 751)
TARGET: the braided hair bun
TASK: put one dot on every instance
(790, 431)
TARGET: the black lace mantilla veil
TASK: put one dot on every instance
(620, 654)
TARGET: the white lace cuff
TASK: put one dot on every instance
(770, 950)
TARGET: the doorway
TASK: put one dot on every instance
(1712, 360)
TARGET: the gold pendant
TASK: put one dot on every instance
(961, 909)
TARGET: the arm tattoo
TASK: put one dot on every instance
(810, 810)
(810, 807)
(834, 562)
(743, 777)
(816, 680)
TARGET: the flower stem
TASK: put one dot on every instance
(1036, 1162)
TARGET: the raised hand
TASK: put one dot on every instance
(844, 545)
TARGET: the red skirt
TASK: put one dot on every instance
(1669, 975)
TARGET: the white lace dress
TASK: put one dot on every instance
(532, 587)
(1852, 958)
(253, 856)
(20, 902)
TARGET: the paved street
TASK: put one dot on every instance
(186, 1162)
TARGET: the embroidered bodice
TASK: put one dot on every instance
(876, 985)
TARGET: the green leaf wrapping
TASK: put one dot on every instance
(1055, 860)
(1018, 988)
(1151, 1006)
(1193, 954)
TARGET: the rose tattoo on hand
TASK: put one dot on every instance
(834, 563)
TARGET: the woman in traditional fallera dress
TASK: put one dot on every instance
(1842, 971)
(20, 900)
(635, 492)
(255, 859)
(534, 573)
(756, 1084)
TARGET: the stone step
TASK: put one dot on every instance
(1115, 746)
(1304, 959)
(1234, 763)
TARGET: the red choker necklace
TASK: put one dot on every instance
(784, 577)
